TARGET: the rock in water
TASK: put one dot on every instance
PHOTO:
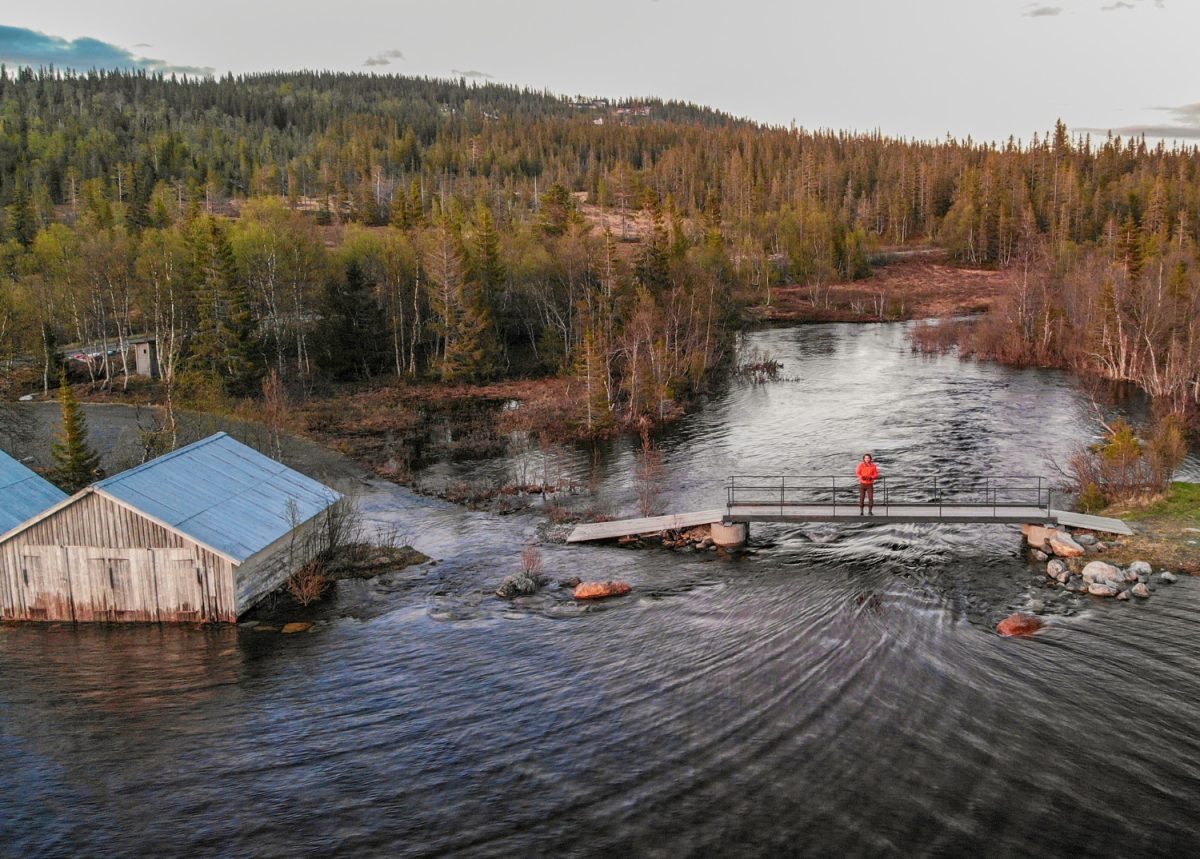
(600, 590)
(293, 628)
(1019, 625)
(1099, 589)
(1040, 556)
(1085, 539)
(1123, 595)
(1167, 578)
(1056, 568)
(1063, 577)
(1141, 591)
(1140, 568)
(1063, 546)
(519, 584)
(571, 583)
(1100, 572)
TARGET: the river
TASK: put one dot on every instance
(840, 692)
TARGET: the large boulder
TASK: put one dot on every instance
(1099, 589)
(1065, 547)
(1102, 573)
(600, 590)
(520, 584)
(1019, 625)
(1140, 568)
(1037, 536)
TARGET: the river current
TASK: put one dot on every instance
(842, 691)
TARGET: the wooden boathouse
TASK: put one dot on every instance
(200, 534)
(23, 494)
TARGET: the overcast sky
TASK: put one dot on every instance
(916, 68)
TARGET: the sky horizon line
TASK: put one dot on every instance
(924, 72)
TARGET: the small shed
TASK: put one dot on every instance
(145, 358)
(200, 534)
(23, 494)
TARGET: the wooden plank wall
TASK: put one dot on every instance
(99, 561)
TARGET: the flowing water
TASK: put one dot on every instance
(842, 691)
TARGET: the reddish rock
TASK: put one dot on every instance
(1064, 546)
(293, 628)
(600, 590)
(1019, 625)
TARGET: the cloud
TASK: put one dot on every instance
(470, 73)
(1118, 5)
(1037, 11)
(383, 58)
(20, 46)
(1184, 124)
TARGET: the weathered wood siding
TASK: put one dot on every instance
(96, 560)
(263, 572)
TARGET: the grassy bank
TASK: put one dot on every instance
(1168, 530)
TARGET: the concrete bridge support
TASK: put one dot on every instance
(730, 535)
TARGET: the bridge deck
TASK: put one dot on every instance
(932, 513)
(1013, 514)
(1092, 523)
(650, 525)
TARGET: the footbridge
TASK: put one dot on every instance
(936, 500)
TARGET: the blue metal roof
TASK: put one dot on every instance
(223, 494)
(23, 494)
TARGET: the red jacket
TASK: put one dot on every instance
(868, 473)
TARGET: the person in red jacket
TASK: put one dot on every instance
(868, 473)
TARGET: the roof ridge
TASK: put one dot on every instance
(187, 448)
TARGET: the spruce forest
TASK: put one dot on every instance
(325, 228)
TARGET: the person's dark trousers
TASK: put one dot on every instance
(866, 492)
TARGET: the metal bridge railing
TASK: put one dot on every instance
(934, 492)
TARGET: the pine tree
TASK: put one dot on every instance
(76, 465)
(471, 353)
(653, 269)
(351, 337)
(557, 208)
(487, 268)
(22, 222)
(224, 347)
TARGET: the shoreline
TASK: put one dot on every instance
(910, 285)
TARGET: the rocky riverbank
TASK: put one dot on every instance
(1070, 563)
